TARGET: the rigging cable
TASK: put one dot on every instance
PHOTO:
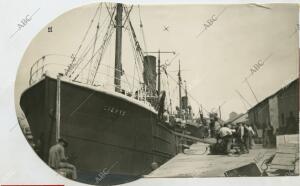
(127, 14)
(108, 33)
(137, 44)
(135, 55)
(108, 38)
(85, 35)
(87, 49)
(100, 49)
(142, 29)
(137, 52)
(111, 14)
(94, 45)
(190, 95)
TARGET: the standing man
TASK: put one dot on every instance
(241, 138)
(57, 158)
(247, 137)
(267, 135)
(251, 135)
(225, 134)
(212, 128)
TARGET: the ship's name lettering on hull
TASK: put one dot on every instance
(115, 110)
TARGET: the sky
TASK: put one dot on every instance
(214, 61)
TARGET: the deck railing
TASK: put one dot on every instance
(131, 86)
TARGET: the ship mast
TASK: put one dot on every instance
(118, 51)
(185, 89)
(158, 72)
(179, 85)
(186, 97)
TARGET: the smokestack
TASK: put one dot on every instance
(149, 73)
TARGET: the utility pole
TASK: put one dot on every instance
(58, 90)
(159, 65)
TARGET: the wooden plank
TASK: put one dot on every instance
(287, 139)
(287, 152)
(288, 148)
(283, 167)
(283, 160)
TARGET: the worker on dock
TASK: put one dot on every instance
(268, 135)
(58, 160)
(251, 134)
(242, 135)
(225, 133)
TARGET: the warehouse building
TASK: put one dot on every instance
(277, 114)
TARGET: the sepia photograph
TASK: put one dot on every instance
(108, 93)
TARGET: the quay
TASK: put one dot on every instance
(196, 162)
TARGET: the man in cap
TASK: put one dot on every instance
(58, 160)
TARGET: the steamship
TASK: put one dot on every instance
(114, 131)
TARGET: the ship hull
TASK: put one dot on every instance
(109, 137)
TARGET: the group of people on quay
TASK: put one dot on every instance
(234, 139)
